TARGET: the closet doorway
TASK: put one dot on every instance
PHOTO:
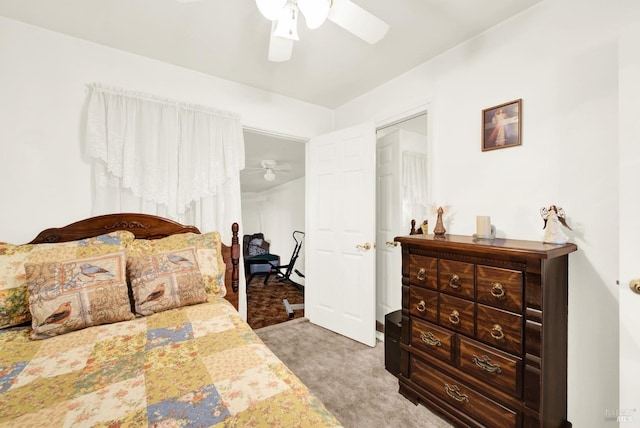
(401, 195)
(273, 204)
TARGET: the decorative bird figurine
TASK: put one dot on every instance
(554, 217)
(60, 315)
(92, 271)
(176, 259)
(155, 294)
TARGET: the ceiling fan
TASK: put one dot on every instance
(269, 167)
(345, 13)
(284, 17)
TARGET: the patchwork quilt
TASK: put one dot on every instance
(197, 366)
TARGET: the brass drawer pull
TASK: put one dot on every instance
(454, 318)
(496, 332)
(454, 281)
(497, 291)
(421, 306)
(422, 274)
(454, 392)
(430, 339)
(485, 364)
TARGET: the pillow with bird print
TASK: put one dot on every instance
(164, 281)
(14, 298)
(74, 294)
(208, 255)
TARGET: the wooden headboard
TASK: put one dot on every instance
(145, 226)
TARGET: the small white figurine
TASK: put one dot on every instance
(554, 218)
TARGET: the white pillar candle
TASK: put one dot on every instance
(483, 225)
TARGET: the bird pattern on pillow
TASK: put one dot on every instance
(167, 280)
(71, 295)
(14, 297)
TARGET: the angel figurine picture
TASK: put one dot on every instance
(554, 221)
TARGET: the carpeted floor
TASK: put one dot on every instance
(264, 302)
(347, 376)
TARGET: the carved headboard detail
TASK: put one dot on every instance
(143, 226)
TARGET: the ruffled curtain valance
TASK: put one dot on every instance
(163, 157)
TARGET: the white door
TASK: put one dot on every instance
(629, 235)
(388, 225)
(340, 253)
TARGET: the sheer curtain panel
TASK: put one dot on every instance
(164, 157)
(414, 186)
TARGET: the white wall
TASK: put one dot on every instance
(43, 79)
(560, 57)
(278, 212)
(46, 179)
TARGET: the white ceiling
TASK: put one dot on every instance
(259, 147)
(229, 39)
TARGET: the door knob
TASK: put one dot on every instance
(366, 246)
(635, 285)
(395, 244)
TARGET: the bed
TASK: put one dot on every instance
(120, 334)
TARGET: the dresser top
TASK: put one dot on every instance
(535, 249)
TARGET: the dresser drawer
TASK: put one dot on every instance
(435, 340)
(499, 328)
(499, 287)
(456, 314)
(462, 397)
(423, 303)
(423, 271)
(456, 278)
(493, 366)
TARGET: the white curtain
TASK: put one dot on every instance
(414, 186)
(163, 157)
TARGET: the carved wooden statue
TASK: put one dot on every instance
(439, 230)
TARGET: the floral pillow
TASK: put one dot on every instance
(208, 248)
(14, 298)
(164, 281)
(71, 295)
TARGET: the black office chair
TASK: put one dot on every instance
(257, 258)
(283, 272)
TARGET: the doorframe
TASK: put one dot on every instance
(395, 118)
(242, 287)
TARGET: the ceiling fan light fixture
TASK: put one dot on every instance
(269, 175)
(288, 23)
(271, 9)
(315, 12)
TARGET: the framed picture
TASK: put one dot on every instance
(501, 126)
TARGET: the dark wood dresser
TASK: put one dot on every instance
(484, 330)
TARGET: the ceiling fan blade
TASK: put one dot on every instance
(253, 171)
(280, 49)
(285, 167)
(358, 21)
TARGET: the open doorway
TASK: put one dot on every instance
(401, 195)
(273, 208)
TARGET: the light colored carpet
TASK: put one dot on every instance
(347, 376)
